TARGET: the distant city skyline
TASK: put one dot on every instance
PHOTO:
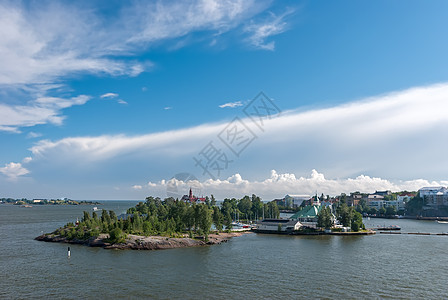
(102, 100)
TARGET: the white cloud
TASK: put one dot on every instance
(46, 43)
(397, 135)
(109, 95)
(33, 135)
(278, 185)
(40, 111)
(43, 42)
(14, 170)
(157, 21)
(137, 187)
(113, 96)
(27, 159)
(167, 108)
(231, 104)
(260, 32)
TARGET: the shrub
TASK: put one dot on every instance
(116, 236)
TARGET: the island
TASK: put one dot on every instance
(61, 201)
(150, 225)
(192, 221)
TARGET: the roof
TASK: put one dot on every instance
(278, 221)
(275, 221)
(309, 211)
(431, 188)
(298, 196)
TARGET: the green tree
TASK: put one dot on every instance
(272, 210)
(345, 214)
(415, 206)
(188, 218)
(117, 236)
(228, 220)
(86, 216)
(218, 218)
(257, 207)
(105, 217)
(205, 219)
(113, 216)
(356, 222)
(325, 218)
(391, 210)
(244, 206)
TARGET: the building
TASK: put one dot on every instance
(191, 198)
(434, 196)
(383, 193)
(278, 225)
(405, 197)
(308, 215)
(353, 199)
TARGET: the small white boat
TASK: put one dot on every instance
(96, 209)
(442, 222)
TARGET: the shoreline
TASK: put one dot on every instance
(137, 242)
(350, 233)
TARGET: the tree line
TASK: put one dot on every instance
(170, 217)
(347, 216)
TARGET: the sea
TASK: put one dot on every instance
(253, 266)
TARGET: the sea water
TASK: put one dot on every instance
(252, 266)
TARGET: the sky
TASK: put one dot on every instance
(106, 100)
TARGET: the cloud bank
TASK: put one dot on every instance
(398, 136)
(278, 185)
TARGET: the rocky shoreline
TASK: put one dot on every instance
(136, 242)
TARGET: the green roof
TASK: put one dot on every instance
(309, 211)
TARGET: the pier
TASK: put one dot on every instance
(412, 233)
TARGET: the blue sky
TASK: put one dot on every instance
(109, 100)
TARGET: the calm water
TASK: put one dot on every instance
(247, 267)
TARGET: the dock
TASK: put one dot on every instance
(413, 233)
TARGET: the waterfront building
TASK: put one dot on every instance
(378, 204)
(375, 201)
(405, 197)
(278, 225)
(434, 196)
(308, 215)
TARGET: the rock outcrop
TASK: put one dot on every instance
(137, 242)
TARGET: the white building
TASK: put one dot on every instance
(434, 196)
(273, 225)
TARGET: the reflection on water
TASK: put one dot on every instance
(251, 266)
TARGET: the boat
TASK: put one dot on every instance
(442, 222)
(96, 209)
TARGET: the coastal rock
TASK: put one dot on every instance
(137, 242)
